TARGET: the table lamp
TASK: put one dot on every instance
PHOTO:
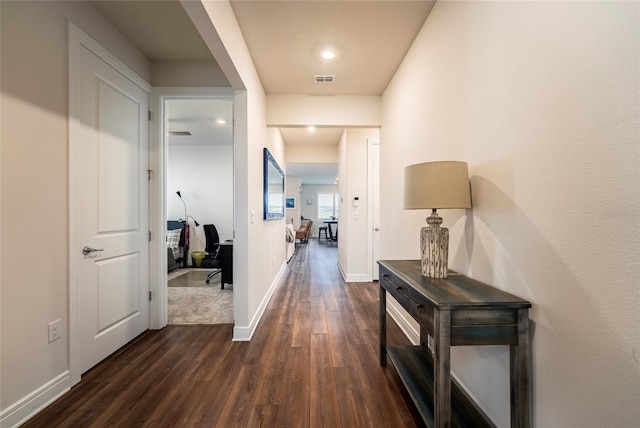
(436, 185)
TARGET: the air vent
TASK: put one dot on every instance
(184, 133)
(325, 78)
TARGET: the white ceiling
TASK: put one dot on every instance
(314, 173)
(285, 38)
(200, 117)
(370, 38)
(161, 30)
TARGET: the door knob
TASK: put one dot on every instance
(376, 229)
(88, 250)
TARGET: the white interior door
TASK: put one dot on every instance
(111, 158)
(375, 167)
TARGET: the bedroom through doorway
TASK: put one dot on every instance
(199, 197)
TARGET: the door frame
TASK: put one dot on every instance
(373, 217)
(158, 190)
(77, 40)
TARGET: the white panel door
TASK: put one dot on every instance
(375, 153)
(112, 209)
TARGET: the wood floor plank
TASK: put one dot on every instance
(263, 416)
(318, 315)
(312, 362)
(302, 325)
(338, 339)
(324, 411)
(163, 396)
(239, 404)
(294, 410)
(214, 394)
(270, 391)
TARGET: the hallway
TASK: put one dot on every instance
(313, 361)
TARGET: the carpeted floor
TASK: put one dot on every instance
(193, 301)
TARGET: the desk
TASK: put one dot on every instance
(332, 237)
(454, 311)
(226, 263)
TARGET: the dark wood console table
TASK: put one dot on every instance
(454, 311)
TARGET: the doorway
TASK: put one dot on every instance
(198, 149)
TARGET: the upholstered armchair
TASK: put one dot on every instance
(304, 230)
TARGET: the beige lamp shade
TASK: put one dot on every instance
(436, 185)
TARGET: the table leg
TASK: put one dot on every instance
(383, 326)
(442, 368)
(520, 364)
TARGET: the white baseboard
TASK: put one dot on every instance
(358, 277)
(29, 406)
(407, 329)
(244, 333)
(344, 275)
(361, 277)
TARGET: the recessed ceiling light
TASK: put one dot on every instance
(311, 128)
(221, 121)
(328, 54)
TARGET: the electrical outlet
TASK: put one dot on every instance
(55, 332)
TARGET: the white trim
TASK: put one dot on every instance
(29, 406)
(370, 197)
(357, 277)
(158, 191)
(78, 38)
(245, 333)
(342, 272)
(412, 334)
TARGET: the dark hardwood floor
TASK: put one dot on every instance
(313, 362)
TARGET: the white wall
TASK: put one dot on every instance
(356, 236)
(35, 190)
(204, 176)
(312, 153)
(340, 110)
(259, 246)
(189, 74)
(541, 99)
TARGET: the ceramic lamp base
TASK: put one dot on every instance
(434, 248)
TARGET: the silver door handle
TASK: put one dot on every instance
(376, 229)
(88, 250)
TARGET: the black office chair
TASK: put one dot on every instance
(212, 249)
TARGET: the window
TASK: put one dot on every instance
(328, 205)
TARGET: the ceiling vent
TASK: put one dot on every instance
(325, 78)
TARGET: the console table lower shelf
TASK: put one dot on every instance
(415, 368)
